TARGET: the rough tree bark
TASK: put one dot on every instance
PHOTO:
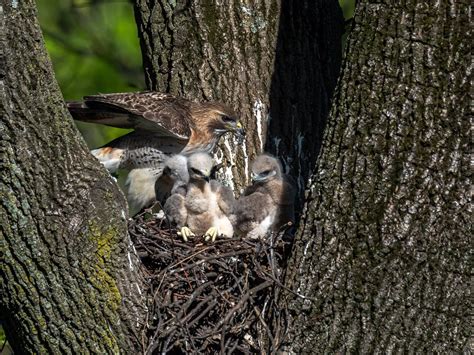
(275, 62)
(381, 260)
(69, 280)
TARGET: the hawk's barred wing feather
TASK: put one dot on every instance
(151, 111)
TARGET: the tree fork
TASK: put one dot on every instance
(275, 62)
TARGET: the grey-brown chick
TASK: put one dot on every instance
(171, 188)
(207, 203)
(173, 179)
(268, 203)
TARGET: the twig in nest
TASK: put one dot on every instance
(211, 298)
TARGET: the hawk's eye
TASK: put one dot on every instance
(266, 172)
(227, 119)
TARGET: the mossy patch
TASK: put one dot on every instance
(101, 276)
(102, 279)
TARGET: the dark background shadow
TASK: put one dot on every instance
(307, 64)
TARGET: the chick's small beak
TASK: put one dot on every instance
(207, 175)
(257, 178)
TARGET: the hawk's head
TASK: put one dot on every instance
(265, 168)
(216, 119)
(175, 169)
(200, 166)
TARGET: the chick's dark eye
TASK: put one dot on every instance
(196, 171)
(266, 172)
(227, 119)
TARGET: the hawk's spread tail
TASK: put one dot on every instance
(103, 115)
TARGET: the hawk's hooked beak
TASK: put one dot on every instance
(233, 127)
(239, 131)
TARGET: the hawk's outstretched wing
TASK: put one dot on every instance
(164, 114)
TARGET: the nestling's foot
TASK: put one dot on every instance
(186, 233)
(211, 234)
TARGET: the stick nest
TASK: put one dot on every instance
(219, 297)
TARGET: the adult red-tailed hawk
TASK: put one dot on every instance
(163, 125)
(268, 203)
(207, 205)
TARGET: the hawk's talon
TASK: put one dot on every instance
(211, 234)
(186, 233)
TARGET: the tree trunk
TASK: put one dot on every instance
(69, 280)
(275, 62)
(381, 260)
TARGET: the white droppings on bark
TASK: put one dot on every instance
(246, 10)
(246, 161)
(139, 290)
(14, 4)
(228, 178)
(131, 248)
(130, 263)
(253, 20)
(258, 111)
(305, 251)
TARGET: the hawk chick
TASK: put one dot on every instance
(268, 203)
(163, 125)
(205, 208)
(173, 179)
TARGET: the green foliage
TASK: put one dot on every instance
(2, 336)
(94, 48)
(348, 8)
